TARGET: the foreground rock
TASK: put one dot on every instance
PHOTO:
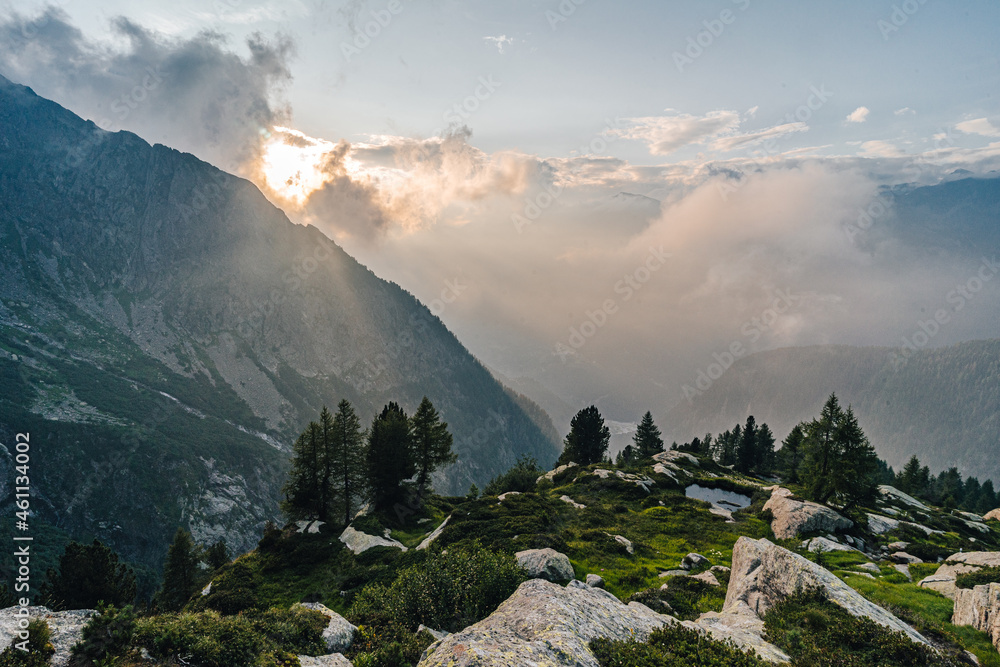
(545, 624)
(744, 628)
(992, 515)
(66, 628)
(943, 580)
(332, 660)
(550, 475)
(792, 517)
(339, 633)
(545, 564)
(980, 608)
(359, 542)
(764, 574)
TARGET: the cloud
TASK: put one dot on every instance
(905, 111)
(879, 148)
(741, 140)
(193, 94)
(666, 134)
(980, 126)
(500, 41)
(859, 115)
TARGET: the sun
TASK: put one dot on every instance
(292, 164)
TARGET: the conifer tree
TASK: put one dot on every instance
(304, 488)
(87, 575)
(431, 443)
(822, 451)
(627, 457)
(347, 453)
(588, 438)
(648, 439)
(179, 573)
(909, 477)
(746, 448)
(791, 454)
(217, 555)
(764, 451)
(389, 458)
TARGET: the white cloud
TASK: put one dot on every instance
(905, 111)
(879, 148)
(859, 115)
(980, 126)
(500, 41)
(666, 134)
(741, 140)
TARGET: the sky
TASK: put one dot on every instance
(600, 199)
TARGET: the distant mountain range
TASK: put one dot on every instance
(941, 404)
(165, 333)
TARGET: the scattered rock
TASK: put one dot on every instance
(880, 525)
(976, 525)
(674, 573)
(824, 544)
(928, 531)
(898, 546)
(436, 634)
(870, 567)
(207, 589)
(980, 608)
(719, 569)
(550, 475)
(693, 560)
(625, 542)
(595, 581)
(504, 496)
(359, 542)
(673, 456)
(545, 564)
(332, 660)
(904, 569)
(570, 501)
(893, 494)
(792, 517)
(969, 516)
(992, 515)
(943, 580)
(339, 632)
(707, 577)
(904, 558)
(427, 541)
(545, 624)
(66, 628)
(765, 574)
(744, 628)
(309, 526)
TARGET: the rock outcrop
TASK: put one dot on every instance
(943, 580)
(742, 627)
(792, 517)
(980, 608)
(880, 525)
(550, 475)
(332, 660)
(339, 632)
(992, 515)
(764, 574)
(892, 494)
(545, 564)
(545, 624)
(429, 540)
(359, 542)
(66, 628)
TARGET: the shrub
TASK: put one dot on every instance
(521, 477)
(235, 590)
(672, 646)
(447, 592)
(387, 647)
(107, 635)
(928, 552)
(687, 598)
(818, 633)
(39, 651)
(986, 575)
(369, 524)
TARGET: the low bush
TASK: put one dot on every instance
(927, 552)
(672, 646)
(684, 597)
(985, 575)
(107, 635)
(369, 524)
(522, 477)
(39, 647)
(818, 633)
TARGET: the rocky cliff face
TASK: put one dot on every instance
(165, 332)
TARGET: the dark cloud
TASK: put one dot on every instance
(349, 206)
(195, 94)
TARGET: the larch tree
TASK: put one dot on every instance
(347, 453)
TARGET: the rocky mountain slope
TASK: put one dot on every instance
(165, 333)
(941, 404)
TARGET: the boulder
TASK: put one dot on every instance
(792, 517)
(870, 567)
(504, 496)
(624, 541)
(943, 580)
(429, 540)
(310, 527)
(823, 544)
(898, 546)
(550, 475)
(693, 560)
(707, 577)
(980, 608)
(969, 516)
(595, 581)
(904, 558)
(992, 515)
(339, 632)
(570, 501)
(436, 634)
(892, 494)
(675, 457)
(674, 573)
(332, 660)
(545, 564)
(66, 628)
(904, 569)
(764, 574)
(545, 624)
(742, 627)
(359, 542)
(880, 525)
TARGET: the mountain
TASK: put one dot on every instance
(941, 404)
(165, 333)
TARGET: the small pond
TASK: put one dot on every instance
(727, 499)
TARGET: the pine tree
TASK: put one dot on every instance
(325, 461)
(217, 555)
(822, 451)
(87, 575)
(791, 453)
(627, 457)
(347, 453)
(179, 573)
(856, 474)
(987, 498)
(908, 479)
(588, 438)
(389, 458)
(764, 451)
(746, 449)
(648, 439)
(431, 443)
(304, 488)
